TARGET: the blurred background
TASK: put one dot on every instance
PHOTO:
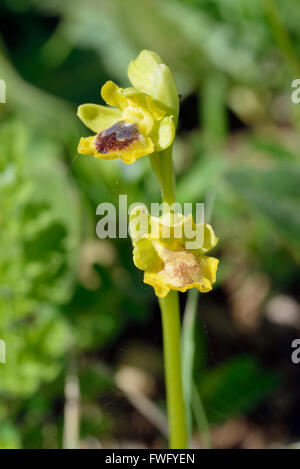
(83, 335)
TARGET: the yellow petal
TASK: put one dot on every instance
(86, 146)
(141, 70)
(159, 285)
(156, 112)
(138, 223)
(209, 266)
(140, 116)
(201, 235)
(98, 118)
(149, 74)
(145, 256)
(141, 110)
(113, 96)
(165, 90)
(210, 239)
(165, 133)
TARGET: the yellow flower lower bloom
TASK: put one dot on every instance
(166, 260)
(133, 128)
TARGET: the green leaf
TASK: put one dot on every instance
(39, 237)
(272, 148)
(273, 193)
(188, 351)
(234, 388)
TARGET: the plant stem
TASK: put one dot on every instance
(162, 164)
(172, 359)
(167, 176)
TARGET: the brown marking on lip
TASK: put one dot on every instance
(181, 268)
(116, 138)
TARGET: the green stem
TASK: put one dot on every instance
(162, 164)
(172, 359)
(168, 177)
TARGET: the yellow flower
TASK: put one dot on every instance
(170, 249)
(137, 121)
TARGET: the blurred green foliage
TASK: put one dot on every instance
(64, 295)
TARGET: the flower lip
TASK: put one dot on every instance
(117, 137)
(181, 267)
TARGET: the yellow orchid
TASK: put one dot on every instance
(137, 121)
(161, 249)
(170, 249)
